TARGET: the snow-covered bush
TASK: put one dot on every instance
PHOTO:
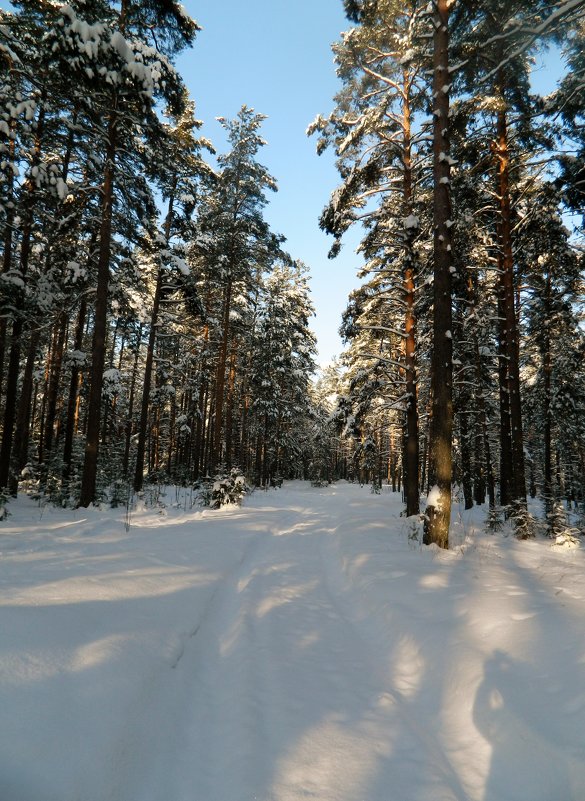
(522, 520)
(226, 488)
(495, 519)
(557, 521)
(120, 492)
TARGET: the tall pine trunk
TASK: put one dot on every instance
(98, 348)
(220, 379)
(8, 239)
(547, 490)
(23, 416)
(10, 406)
(411, 448)
(515, 492)
(130, 410)
(54, 380)
(72, 397)
(441, 429)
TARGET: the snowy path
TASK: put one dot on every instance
(287, 700)
(300, 647)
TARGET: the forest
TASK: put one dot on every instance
(154, 329)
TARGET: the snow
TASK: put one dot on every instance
(434, 496)
(304, 645)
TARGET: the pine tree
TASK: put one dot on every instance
(282, 362)
(438, 511)
(236, 245)
(379, 158)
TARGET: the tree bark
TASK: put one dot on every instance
(509, 333)
(54, 380)
(130, 411)
(23, 416)
(441, 430)
(8, 241)
(220, 379)
(98, 349)
(18, 323)
(547, 490)
(73, 393)
(411, 450)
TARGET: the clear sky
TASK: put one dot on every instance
(275, 56)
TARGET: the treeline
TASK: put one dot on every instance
(133, 345)
(465, 360)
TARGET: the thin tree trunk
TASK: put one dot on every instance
(8, 239)
(547, 489)
(128, 427)
(411, 451)
(23, 416)
(199, 430)
(72, 398)
(508, 314)
(220, 379)
(18, 323)
(98, 350)
(143, 424)
(56, 364)
(229, 417)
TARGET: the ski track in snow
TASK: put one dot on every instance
(301, 647)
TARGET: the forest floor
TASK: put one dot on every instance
(303, 646)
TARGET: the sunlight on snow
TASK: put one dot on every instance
(148, 582)
(36, 666)
(332, 762)
(434, 582)
(287, 595)
(98, 652)
(408, 666)
(281, 567)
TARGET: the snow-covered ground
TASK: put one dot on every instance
(303, 646)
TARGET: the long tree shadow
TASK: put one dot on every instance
(301, 702)
(527, 760)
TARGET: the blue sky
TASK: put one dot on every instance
(275, 56)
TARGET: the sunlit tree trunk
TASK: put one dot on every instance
(440, 444)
